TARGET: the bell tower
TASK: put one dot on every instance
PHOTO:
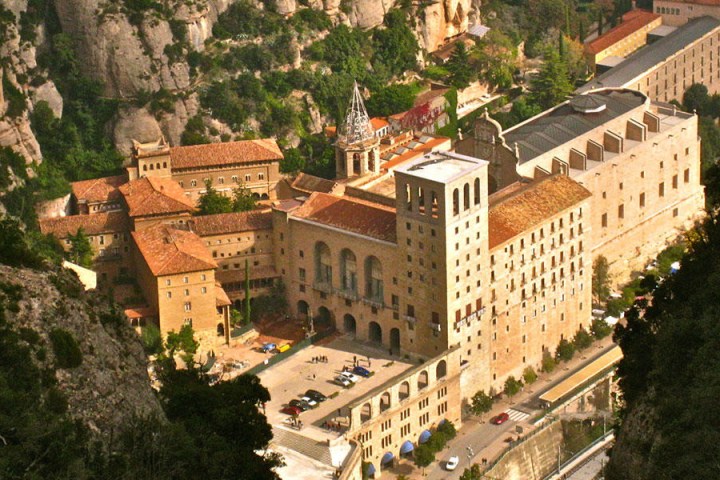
(357, 151)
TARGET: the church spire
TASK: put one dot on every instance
(357, 127)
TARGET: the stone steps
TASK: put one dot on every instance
(306, 446)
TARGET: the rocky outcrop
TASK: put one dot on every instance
(110, 386)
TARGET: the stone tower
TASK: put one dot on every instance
(357, 151)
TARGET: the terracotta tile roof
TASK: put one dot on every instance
(633, 21)
(310, 183)
(98, 190)
(414, 153)
(230, 153)
(351, 214)
(155, 196)
(288, 204)
(529, 205)
(95, 224)
(221, 298)
(169, 251)
(205, 225)
(140, 312)
(430, 95)
(378, 123)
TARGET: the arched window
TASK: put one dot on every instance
(456, 202)
(408, 197)
(435, 207)
(323, 263)
(421, 199)
(348, 270)
(385, 401)
(356, 163)
(373, 279)
(441, 369)
(422, 380)
(477, 191)
(466, 196)
(144, 168)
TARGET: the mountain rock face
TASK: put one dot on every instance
(111, 385)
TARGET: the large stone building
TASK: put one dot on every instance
(679, 12)
(639, 159)
(664, 69)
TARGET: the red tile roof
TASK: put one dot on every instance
(633, 21)
(169, 251)
(218, 224)
(378, 123)
(221, 298)
(416, 152)
(98, 190)
(216, 154)
(529, 205)
(140, 312)
(310, 183)
(351, 214)
(95, 224)
(155, 196)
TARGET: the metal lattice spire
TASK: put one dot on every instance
(357, 127)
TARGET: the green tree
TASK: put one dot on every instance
(600, 328)
(183, 342)
(461, 71)
(565, 350)
(395, 47)
(529, 375)
(497, 59)
(512, 386)
(152, 339)
(423, 456)
(448, 430)
(212, 202)
(552, 83)
(391, 99)
(243, 200)
(472, 473)
(582, 340)
(696, 99)
(481, 403)
(548, 362)
(80, 249)
(601, 279)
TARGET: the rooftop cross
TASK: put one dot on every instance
(357, 127)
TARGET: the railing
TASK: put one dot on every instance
(323, 287)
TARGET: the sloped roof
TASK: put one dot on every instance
(310, 183)
(654, 54)
(216, 154)
(632, 21)
(205, 225)
(169, 251)
(155, 196)
(350, 214)
(221, 298)
(529, 205)
(95, 224)
(98, 190)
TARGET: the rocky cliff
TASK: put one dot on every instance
(106, 384)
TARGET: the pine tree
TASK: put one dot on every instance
(552, 84)
(461, 72)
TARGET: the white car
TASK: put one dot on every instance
(350, 376)
(310, 401)
(343, 381)
(452, 463)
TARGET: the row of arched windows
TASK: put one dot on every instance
(373, 287)
(466, 197)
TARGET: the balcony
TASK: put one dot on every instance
(324, 287)
(347, 294)
(436, 327)
(410, 319)
(373, 302)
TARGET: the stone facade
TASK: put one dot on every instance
(678, 12)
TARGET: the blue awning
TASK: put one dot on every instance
(424, 436)
(387, 458)
(371, 470)
(406, 447)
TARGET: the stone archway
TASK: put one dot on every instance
(324, 319)
(303, 309)
(349, 324)
(375, 332)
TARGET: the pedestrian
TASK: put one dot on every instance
(354, 359)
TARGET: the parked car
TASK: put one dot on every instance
(315, 395)
(343, 381)
(362, 371)
(500, 419)
(290, 410)
(309, 401)
(350, 376)
(452, 463)
(268, 347)
(301, 404)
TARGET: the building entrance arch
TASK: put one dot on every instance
(375, 332)
(324, 320)
(349, 324)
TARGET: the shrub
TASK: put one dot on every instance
(152, 340)
(512, 386)
(565, 351)
(67, 351)
(529, 375)
(548, 362)
(582, 340)
(600, 328)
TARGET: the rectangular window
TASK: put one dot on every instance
(188, 306)
(302, 274)
(687, 175)
(261, 176)
(621, 211)
(642, 200)
(185, 279)
(661, 189)
(604, 220)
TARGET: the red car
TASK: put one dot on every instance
(500, 419)
(290, 410)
